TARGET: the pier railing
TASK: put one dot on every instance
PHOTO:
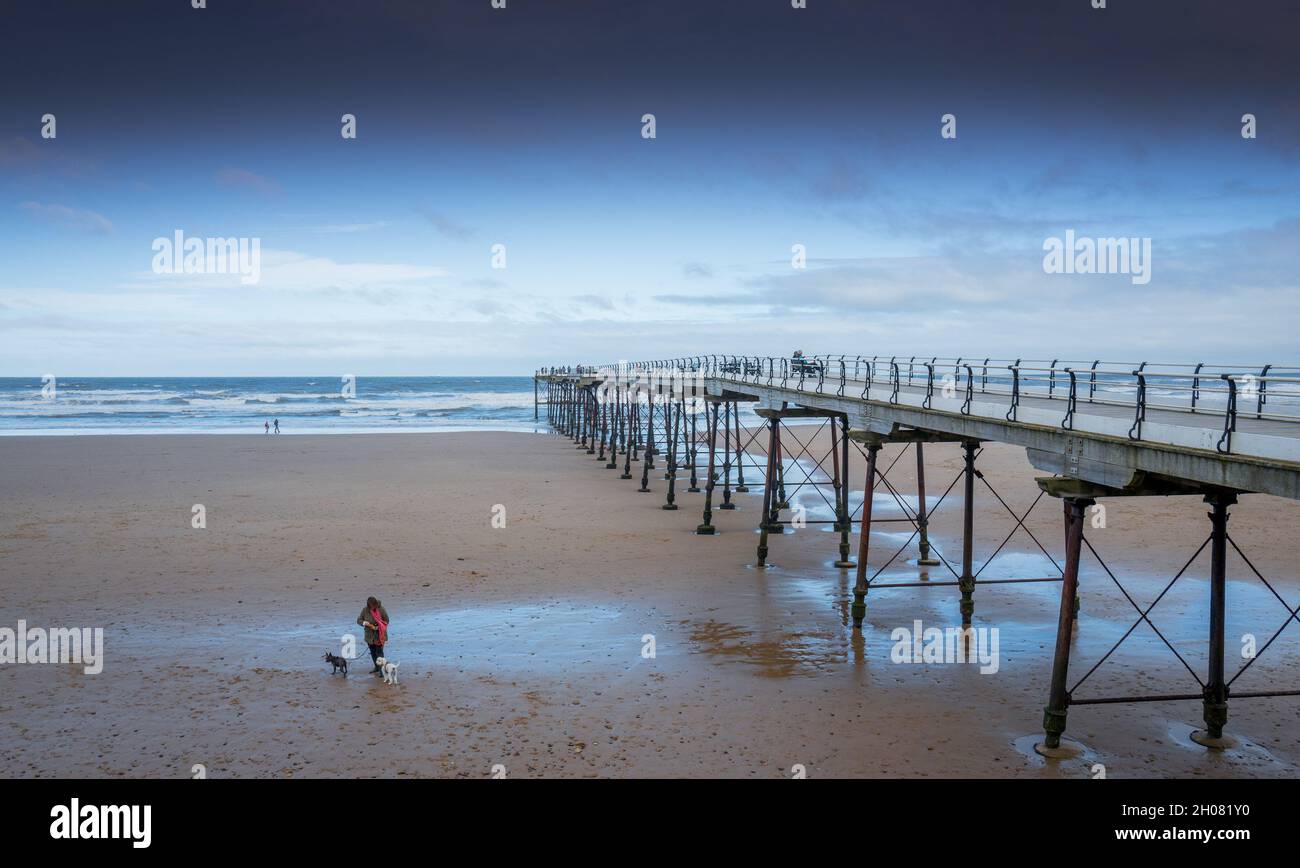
(1228, 393)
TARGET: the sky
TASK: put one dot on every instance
(523, 127)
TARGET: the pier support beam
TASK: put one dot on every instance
(693, 449)
(580, 417)
(1215, 704)
(670, 433)
(726, 457)
(967, 580)
(1058, 699)
(741, 487)
(604, 425)
(706, 526)
(630, 424)
(843, 522)
(613, 430)
(922, 510)
(782, 502)
(859, 607)
(770, 520)
(768, 523)
(648, 457)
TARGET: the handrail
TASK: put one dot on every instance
(1068, 422)
(1140, 406)
(1015, 391)
(1229, 418)
(1201, 387)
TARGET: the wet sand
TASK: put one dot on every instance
(521, 647)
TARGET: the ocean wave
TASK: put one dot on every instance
(198, 404)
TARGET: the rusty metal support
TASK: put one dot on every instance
(1215, 701)
(648, 456)
(726, 457)
(706, 526)
(1058, 700)
(859, 607)
(967, 579)
(773, 515)
(837, 470)
(615, 409)
(922, 512)
(694, 450)
(766, 523)
(740, 452)
(843, 519)
(579, 417)
(670, 432)
(782, 502)
(629, 434)
(604, 424)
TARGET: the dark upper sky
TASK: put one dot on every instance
(411, 59)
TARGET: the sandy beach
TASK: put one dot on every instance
(521, 647)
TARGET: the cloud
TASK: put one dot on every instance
(697, 269)
(708, 300)
(484, 283)
(446, 226)
(80, 219)
(485, 307)
(289, 271)
(300, 272)
(598, 301)
(246, 180)
(880, 283)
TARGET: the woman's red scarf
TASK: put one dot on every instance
(381, 625)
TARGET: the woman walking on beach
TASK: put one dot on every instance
(374, 617)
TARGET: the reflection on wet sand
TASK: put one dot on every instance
(807, 652)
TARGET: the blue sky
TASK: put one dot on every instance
(522, 127)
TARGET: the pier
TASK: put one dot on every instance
(1096, 430)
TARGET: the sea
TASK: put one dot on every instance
(242, 405)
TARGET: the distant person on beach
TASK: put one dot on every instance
(266, 426)
(374, 617)
(277, 426)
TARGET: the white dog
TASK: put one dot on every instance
(389, 669)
